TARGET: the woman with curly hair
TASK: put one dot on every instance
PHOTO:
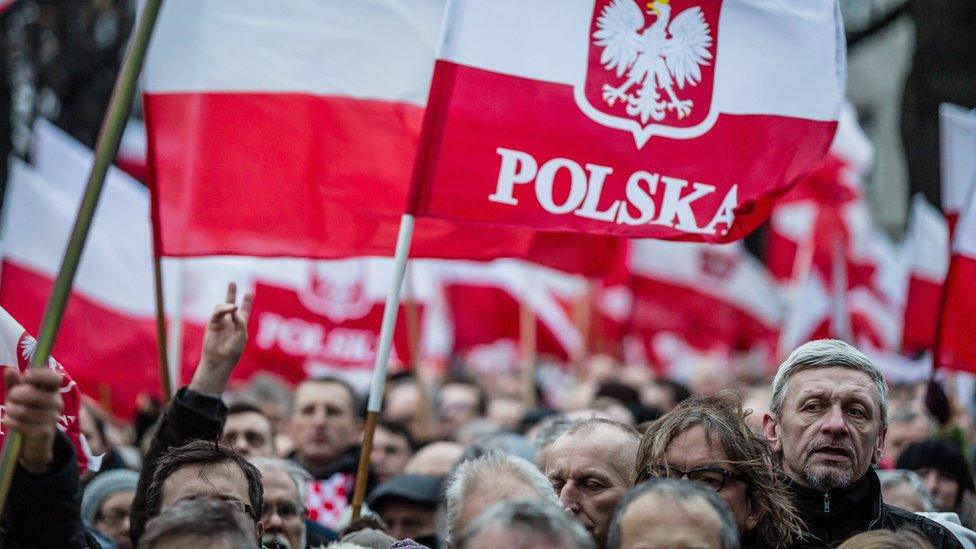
(706, 439)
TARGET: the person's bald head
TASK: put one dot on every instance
(436, 459)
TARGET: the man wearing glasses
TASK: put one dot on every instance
(706, 439)
(283, 514)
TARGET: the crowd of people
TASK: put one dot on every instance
(827, 455)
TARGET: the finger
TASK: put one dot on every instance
(44, 378)
(246, 304)
(231, 293)
(11, 377)
(220, 311)
(30, 397)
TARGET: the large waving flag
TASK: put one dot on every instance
(679, 119)
(926, 251)
(289, 128)
(955, 341)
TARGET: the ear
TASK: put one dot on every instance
(259, 528)
(756, 513)
(879, 448)
(771, 432)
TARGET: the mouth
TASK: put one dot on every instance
(833, 453)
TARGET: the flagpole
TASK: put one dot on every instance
(527, 339)
(161, 346)
(107, 146)
(175, 342)
(375, 403)
(416, 362)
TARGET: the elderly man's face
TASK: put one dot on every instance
(283, 514)
(650, 523)
(829, 429)
(591, 471)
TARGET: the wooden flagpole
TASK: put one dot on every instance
(375, 403)
(416, 362)
(161, 346)
(528, 349)
(107, 146)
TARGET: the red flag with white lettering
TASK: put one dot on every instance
(956, 338)
(678, 120)
(290, 128)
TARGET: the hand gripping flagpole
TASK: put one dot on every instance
(119, 106)
(375, 403)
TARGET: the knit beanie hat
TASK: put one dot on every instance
(103, 486)
(940, 455)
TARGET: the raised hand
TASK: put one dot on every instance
(223, 343)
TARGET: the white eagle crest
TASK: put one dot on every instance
(670, 51)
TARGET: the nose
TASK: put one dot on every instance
(273, 523)
(931, 478)
(125, 526)
(569, 497)
(833, 422)
(240, 445)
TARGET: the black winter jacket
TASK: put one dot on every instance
(832, 517)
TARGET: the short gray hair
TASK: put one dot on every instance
(297, 475)
(677, 491)
(492, 465)
(826, 353)
(537, 518)
(211, 519)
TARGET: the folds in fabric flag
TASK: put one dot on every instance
(16, 351)
(956, 342)
(312, 318)
(714, 297)
(957, 155)
(677, 120)
(483, 302)
(926, 250)
(107, 333)
(290, 128)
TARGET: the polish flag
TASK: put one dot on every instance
(678, 120)
(955, 341)
(484, 303)
(108, 331)
(290, 128)
(926, 249)
(16, 351)
(957, 155)
(715, 297)
(313, 318)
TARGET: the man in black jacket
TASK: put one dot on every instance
(827, 422)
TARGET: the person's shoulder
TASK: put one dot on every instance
(939, 535)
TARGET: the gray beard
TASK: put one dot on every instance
(825, 478)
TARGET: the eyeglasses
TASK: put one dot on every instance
(253, 439)
(113, 518)
(285, 509)
(713, 476)
(235, 503)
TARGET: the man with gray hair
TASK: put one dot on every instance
(283, 515)
(662, 513)
(478, 484)
(524, 523)
(826, 424)
(204, 522)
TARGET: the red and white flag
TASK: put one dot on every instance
(16, 351)
(957, 155)
(290, 128)
(714, 297)
(678, 120)
(108, 332)
(926, 249)
(956, 338)
(313, 318)
(484, 301)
